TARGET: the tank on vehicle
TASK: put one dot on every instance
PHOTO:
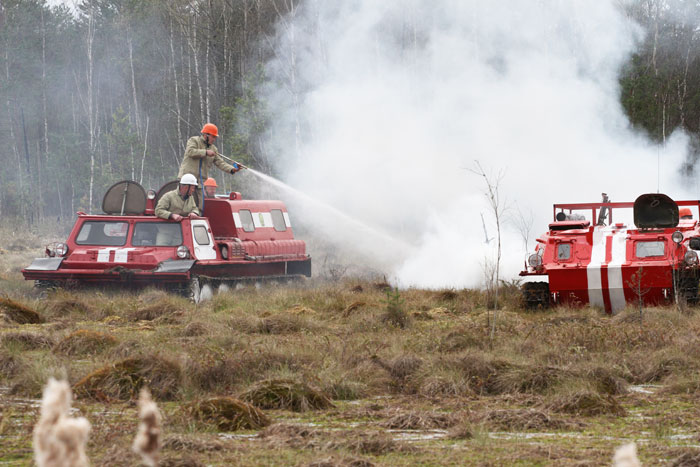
(234, 240)
(586, 257)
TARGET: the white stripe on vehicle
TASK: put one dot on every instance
(286, 220)
(121, 255)
(619, 256)
(237, 220)
(103, 255)
(595, 286)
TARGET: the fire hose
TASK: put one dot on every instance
(231, 160)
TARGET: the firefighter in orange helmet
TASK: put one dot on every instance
(201, 154)
(210, 188)
(685, 213)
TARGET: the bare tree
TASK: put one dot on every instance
(523, 224)
(636, 284)
(497, 209)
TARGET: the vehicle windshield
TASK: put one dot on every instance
(103, 233)
(157, 234)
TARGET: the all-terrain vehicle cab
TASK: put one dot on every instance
(235, 240)
(609, 264)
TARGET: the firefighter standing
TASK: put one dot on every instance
(200, 154)
(177, 203)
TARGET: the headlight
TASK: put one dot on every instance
(61, 249)
(224, 251)
(691, 258)
(677, 236)
(151, 194)
(183, 252)
(534, 260)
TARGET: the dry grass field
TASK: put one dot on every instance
(343, 373)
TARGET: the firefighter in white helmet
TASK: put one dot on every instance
(179, 202)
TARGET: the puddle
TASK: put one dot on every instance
(251, 437)
(644, 388)
(417, 435)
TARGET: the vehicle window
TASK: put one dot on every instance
(247, 220)
(563, 251)
(103, 233)
(647, 249)
(157, 234)
(200, 235)
(278, 220)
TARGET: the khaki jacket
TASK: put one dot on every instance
(194, 152)
(172, 202)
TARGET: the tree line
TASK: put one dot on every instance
(660, 83)
(113, 90)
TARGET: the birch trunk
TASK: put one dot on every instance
(177, 90)
(145, 149)
(137, 119)
(91, 118)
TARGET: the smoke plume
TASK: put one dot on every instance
(382, 108)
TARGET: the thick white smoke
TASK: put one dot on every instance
(380, 109)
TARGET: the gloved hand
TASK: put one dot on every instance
(235, 169)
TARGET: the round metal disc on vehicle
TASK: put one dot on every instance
(170, 186)
(125, 198)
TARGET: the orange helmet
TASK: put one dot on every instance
(683, 212)
(210, 182)
(210, 128)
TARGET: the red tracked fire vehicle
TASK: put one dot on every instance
(610, 264)
(235, 240)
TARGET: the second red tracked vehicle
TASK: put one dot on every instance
(588, 258)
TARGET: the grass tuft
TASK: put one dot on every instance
(526, 419)
(332, 461)
(286, 394)
(178, 442)
(85, 342)
(20, 314)
(420, 421)
(372, 443)
(64, 303)
(289, 435)
(123, 380)
(163, 309)
(462, 430)
(587, 403)
(532, 379)
(10, 365)
(229, 414)
(26, 340)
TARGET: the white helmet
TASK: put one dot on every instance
(188, 179)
